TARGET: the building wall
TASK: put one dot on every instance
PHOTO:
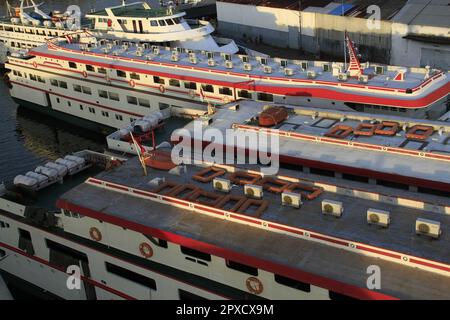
(321, 33)
(313, 32)
(415, 53)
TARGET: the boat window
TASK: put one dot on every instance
(86, 90)
(114, 96)
(185, 295)
(292, 283)
(121, 73)
(33, 77)
(190, 85)
(4, 224)
(153, 23)
(77, 88)
(119, 117)
(90, 68)
(169, 22)
(105, 114)
(225, 90)
(25, 242)
(101, 70)
(91, 110)
(135, 76)
(176, 20)
(144, 103)
(131, 276)
(40, 79)
(54, 82)
(103, 93)
(9, 29)
(244, 94)
(338, 296)
(195, 253)
(174, 82)
(242, 267)
(162, 23)
(262, 96)
(207, 88)
(158, 80)
(63, 84)
(132, 100)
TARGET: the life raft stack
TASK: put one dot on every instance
(272, 116)
(52, 172)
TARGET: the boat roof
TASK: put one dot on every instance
(298, 137)
(312, 242)
(136, 10)
(377, 85)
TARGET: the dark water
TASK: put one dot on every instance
(28, 139)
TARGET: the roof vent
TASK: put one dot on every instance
(378, 217)
(288, 71)
(267, 69)
(211, 62)
(342, 76)
(253, 191)
(311, 74)
(331, 207)
(222, 185)
(247, 67)
(428, 228)
(363, 78)
(291, 199)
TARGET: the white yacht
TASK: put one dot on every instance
(27, 26)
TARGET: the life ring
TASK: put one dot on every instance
(95, 234)
(254, 285)
(146, 250)
(132, 83)
(84, 74)
(35, 64)
(192, 94)
(162, 89)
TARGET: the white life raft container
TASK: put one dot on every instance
(52, 174)
(62, 170)
(41, 179)
(25, 181)
(80, 161)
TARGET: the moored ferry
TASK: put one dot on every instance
(113, 82)
(27, 26)
(148, 228)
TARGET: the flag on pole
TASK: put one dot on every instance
(140, 150)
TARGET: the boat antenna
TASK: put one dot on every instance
(345, 36)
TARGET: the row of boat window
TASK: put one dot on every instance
(38, 31)
(20, 45)
(186, 84)
(153, 23)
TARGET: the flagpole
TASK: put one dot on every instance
(139, 153)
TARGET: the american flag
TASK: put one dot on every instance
(140, 152)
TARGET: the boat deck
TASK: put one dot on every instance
(295, 252)
(382, 84)
(299, 134)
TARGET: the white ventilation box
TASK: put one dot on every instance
(311, 74)
(291, 199)
(193, 60)
(156, 50)
(331, 207)
(211, 62)
(363, 78)
(222, 185)
(174, 57)
(429, 228)
(378, 217)
(342, 77)
(267, 69)
(247, 67)
(229, 64)
(288, 71)
(253, 191)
